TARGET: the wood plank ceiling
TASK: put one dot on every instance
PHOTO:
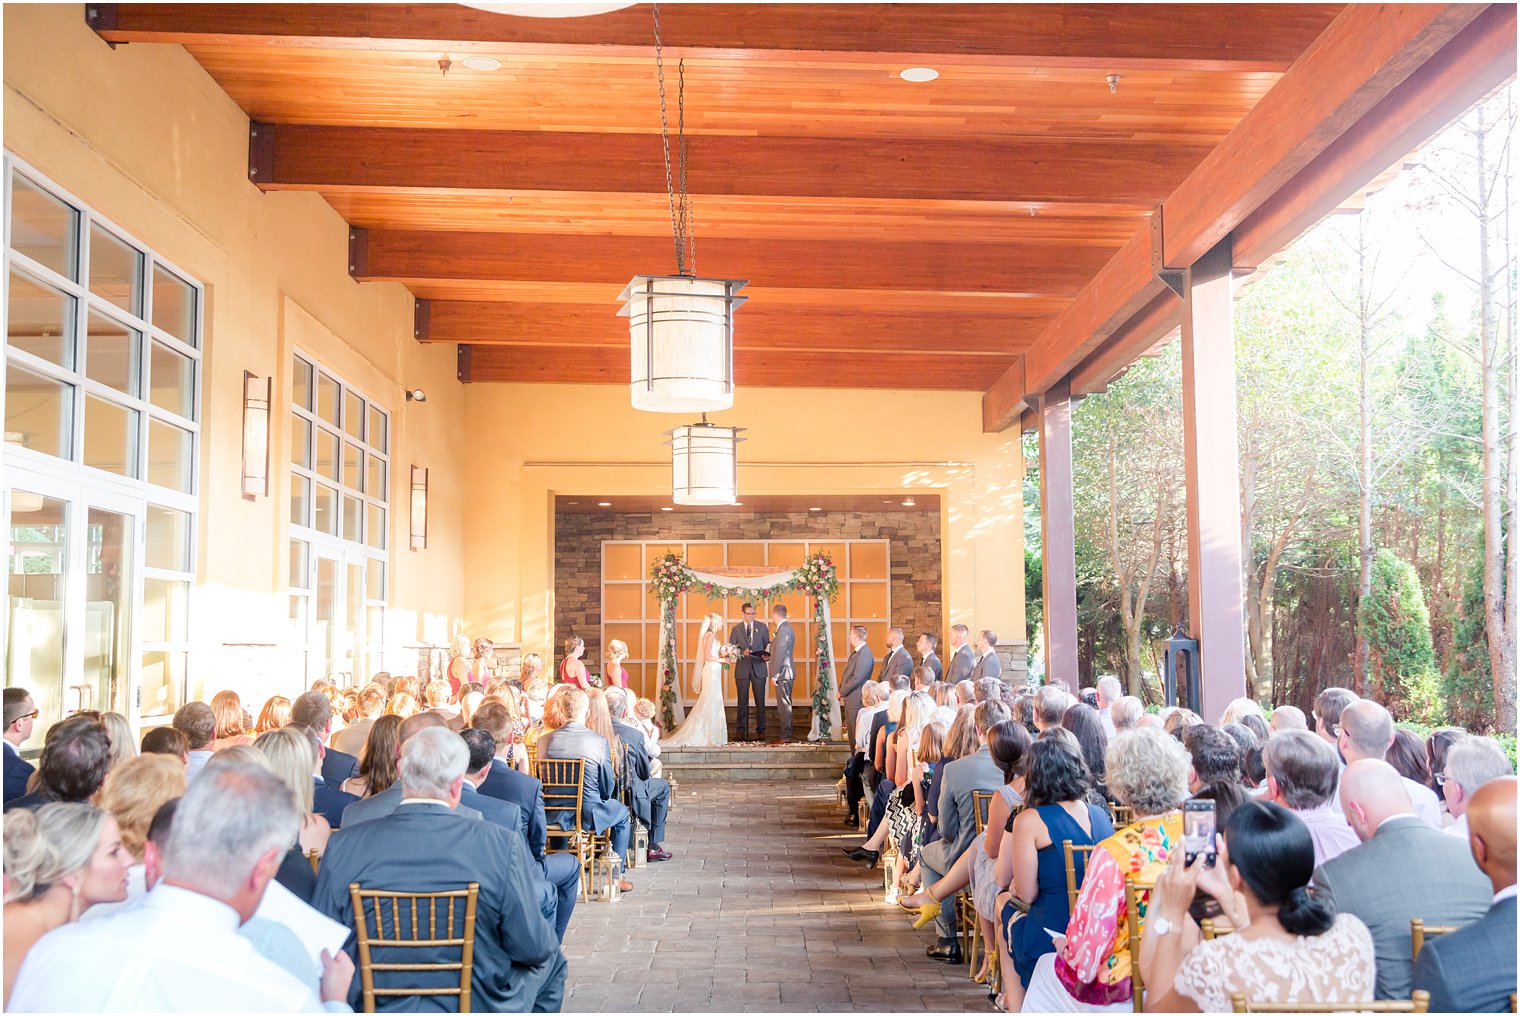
(896, 234)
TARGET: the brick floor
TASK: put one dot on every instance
(758, 912)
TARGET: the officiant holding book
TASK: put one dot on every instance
(751, 670)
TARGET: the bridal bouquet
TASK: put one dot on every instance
(729, 654)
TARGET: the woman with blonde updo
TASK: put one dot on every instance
(227, 708)
(60, 860)
(572, 671)
(123, 746)
(292, 756)
(133, 793)
(532, 667)
(402, 705)
(616, 676)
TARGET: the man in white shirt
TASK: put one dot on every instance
(1109, 692)
(1367, 732)
(178, 949)
(1470, 763)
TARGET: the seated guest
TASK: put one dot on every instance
(385, 802)
(1366, 733)
(60, 860)
(1407, 756)
(1126, 713)
(515, 748)
(889, 807)
(76, 756)
(881, 770)
(1328, 706)
(1252, 774)
(1435, 876)
(1471, 762)
(1302, 775)
(1087, 727)
(20, 716)
(650, 794)
(1239, 709)
(1032, 860)
(370, 703)
(988, 689)
(227, 712)
(1147, 772)
(517, 964)
(1215, 772)
(568, 737)
(646, 711)
(274, 715)
(560, 880)
(1108, 691)
(326, 800)
(133, 794)
(1288, 946)
(871, 704)
(957, 819)
(198, 723)
(436, 696)
(469, 700)
(1437, 744)
(1287, 718)
(377, 759)
(1473, 969)
(1179, 720)
(123, 746)
(178, 949)
(291, 755)
(314, 711)
(167, 741)
(403, 705)
(1050, 705)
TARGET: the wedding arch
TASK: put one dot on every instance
(817, 578)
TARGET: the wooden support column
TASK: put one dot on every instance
(1212, 455)
(1058, 535)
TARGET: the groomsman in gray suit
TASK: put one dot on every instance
(926, 645)
(856, 672)
(897, 662)
(987, 662)
(782, 673)
(961, 659)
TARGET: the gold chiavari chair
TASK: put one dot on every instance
(411, 914)
(1214, 927)
(1135, 921)
(1419, 931)
(969, 927)
(1418, 1002)
(1123, 816)
(563, 780)
(1074, 887)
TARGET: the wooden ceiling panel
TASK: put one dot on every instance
(740, 97)
(757, 327)
(1088, 35)
(756, 368)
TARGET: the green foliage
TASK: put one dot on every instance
(1034, 594)
(1396, 625)
(1466, 686)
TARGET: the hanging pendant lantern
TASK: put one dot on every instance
(704, 461)
(681, 339)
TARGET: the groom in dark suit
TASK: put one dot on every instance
(783, 673)
(750, 672)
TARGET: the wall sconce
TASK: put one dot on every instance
(419, 507)
(256, 391)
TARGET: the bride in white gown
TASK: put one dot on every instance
(706, 723)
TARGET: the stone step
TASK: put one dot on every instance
(748, 763)
(752, 772)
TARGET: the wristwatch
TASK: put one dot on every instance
(1159, 925)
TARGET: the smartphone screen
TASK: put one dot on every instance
(1198, 831)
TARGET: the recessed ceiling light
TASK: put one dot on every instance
(815, 509)
(482, 63)
(918, 74)
(667, 509)
(604, 504)
(908, 503)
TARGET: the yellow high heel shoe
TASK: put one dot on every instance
(925, 914)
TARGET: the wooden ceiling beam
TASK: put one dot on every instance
(758, 326)
(336, 159)
(411, 257)
(752, 368)
(1184, 36)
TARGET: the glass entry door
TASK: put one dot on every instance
(73, 590)
(332, 599)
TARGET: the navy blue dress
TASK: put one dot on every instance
(1051, 908)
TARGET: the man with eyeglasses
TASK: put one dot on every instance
(1327, 714)
(20, 716)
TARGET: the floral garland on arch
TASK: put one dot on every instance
(817, 577)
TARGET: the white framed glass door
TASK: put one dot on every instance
(73, 595)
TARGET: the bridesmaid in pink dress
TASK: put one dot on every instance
(616, 676)
(572, 670)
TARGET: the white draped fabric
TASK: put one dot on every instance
(760, 585)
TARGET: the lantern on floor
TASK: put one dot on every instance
(640, 844)
(681, 342)
(1181, 663)
(608, 873)
(704, 461)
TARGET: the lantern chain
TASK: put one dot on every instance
(680, 209)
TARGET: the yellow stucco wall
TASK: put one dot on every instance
(146, 138)
(563, 439)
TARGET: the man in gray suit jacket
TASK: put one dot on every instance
(927, 644)
(957, 820)
(1473, 970)
(783, 672)
(897, 662)
(987, 662)
(856, 672)
(1403, 869)
(961, 658)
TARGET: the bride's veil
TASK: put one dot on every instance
(698, 664)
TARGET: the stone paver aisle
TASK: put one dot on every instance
(759, 911)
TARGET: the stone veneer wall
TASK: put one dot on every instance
(914, 555)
